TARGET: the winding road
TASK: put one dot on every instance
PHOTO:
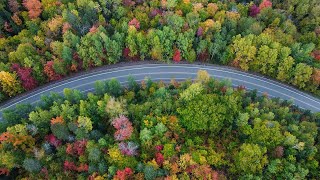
(166, 72)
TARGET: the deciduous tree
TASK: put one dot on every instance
(244, 50)
(50, 72)
(184, 43)
(251, 159)
(267, 59)
(285, 69)
(91, 50)
(34, 8)
(25, 75)
(301, 75)
(9, 83)
(265, 4)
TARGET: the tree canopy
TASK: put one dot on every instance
(204, 129)
(50, 40)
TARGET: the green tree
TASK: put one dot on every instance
(184, 43)
(174, 21)
(114, 88)
(15, 115)
(285, 69)
(192, 92)
(301, 75)
(167, 38)
(113, 47)
(73, 95)
(218, 49)
(110, 8)
(70, 42)
(131, 41)
(25, 55)
(251, 159)
(41, 118)
(244, 50)
(90, 49)
(203, 113)
(302, 52)
(193, 19)
(154, 41)
(100, 87)
(266, 133)
(89, 107)
(243, 123)
(143, 46)
(267, 58)
(83, 17)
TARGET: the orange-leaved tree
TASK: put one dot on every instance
(34, 8)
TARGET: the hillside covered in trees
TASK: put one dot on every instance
(42, 41)
(191, 130)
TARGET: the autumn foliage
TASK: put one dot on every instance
(123, 174)
(184, 135)
(53, 140)
(177, 56)
(124, 128)
(57, 120)
(13, 5)
(50, 72)
(134, 22)
(9, 83)
(77, 148)
(91, 33)
(25, 75)
(316, 55)
(265, 4)
(316, 76)
(254, 10)
(34, 8)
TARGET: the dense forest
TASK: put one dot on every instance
(204, 129)
(42, 41)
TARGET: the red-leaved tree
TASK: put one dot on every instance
(134, 22)
(254, 11)
(69, 166)
(265, 4)
(177, 56)
(159, 159)
(316, 54)
(123, 174)
(25, 75)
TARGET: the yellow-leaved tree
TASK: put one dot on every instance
(9, 83)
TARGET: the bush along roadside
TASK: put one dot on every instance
(204, 129)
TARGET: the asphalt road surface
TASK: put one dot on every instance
(166, 72)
